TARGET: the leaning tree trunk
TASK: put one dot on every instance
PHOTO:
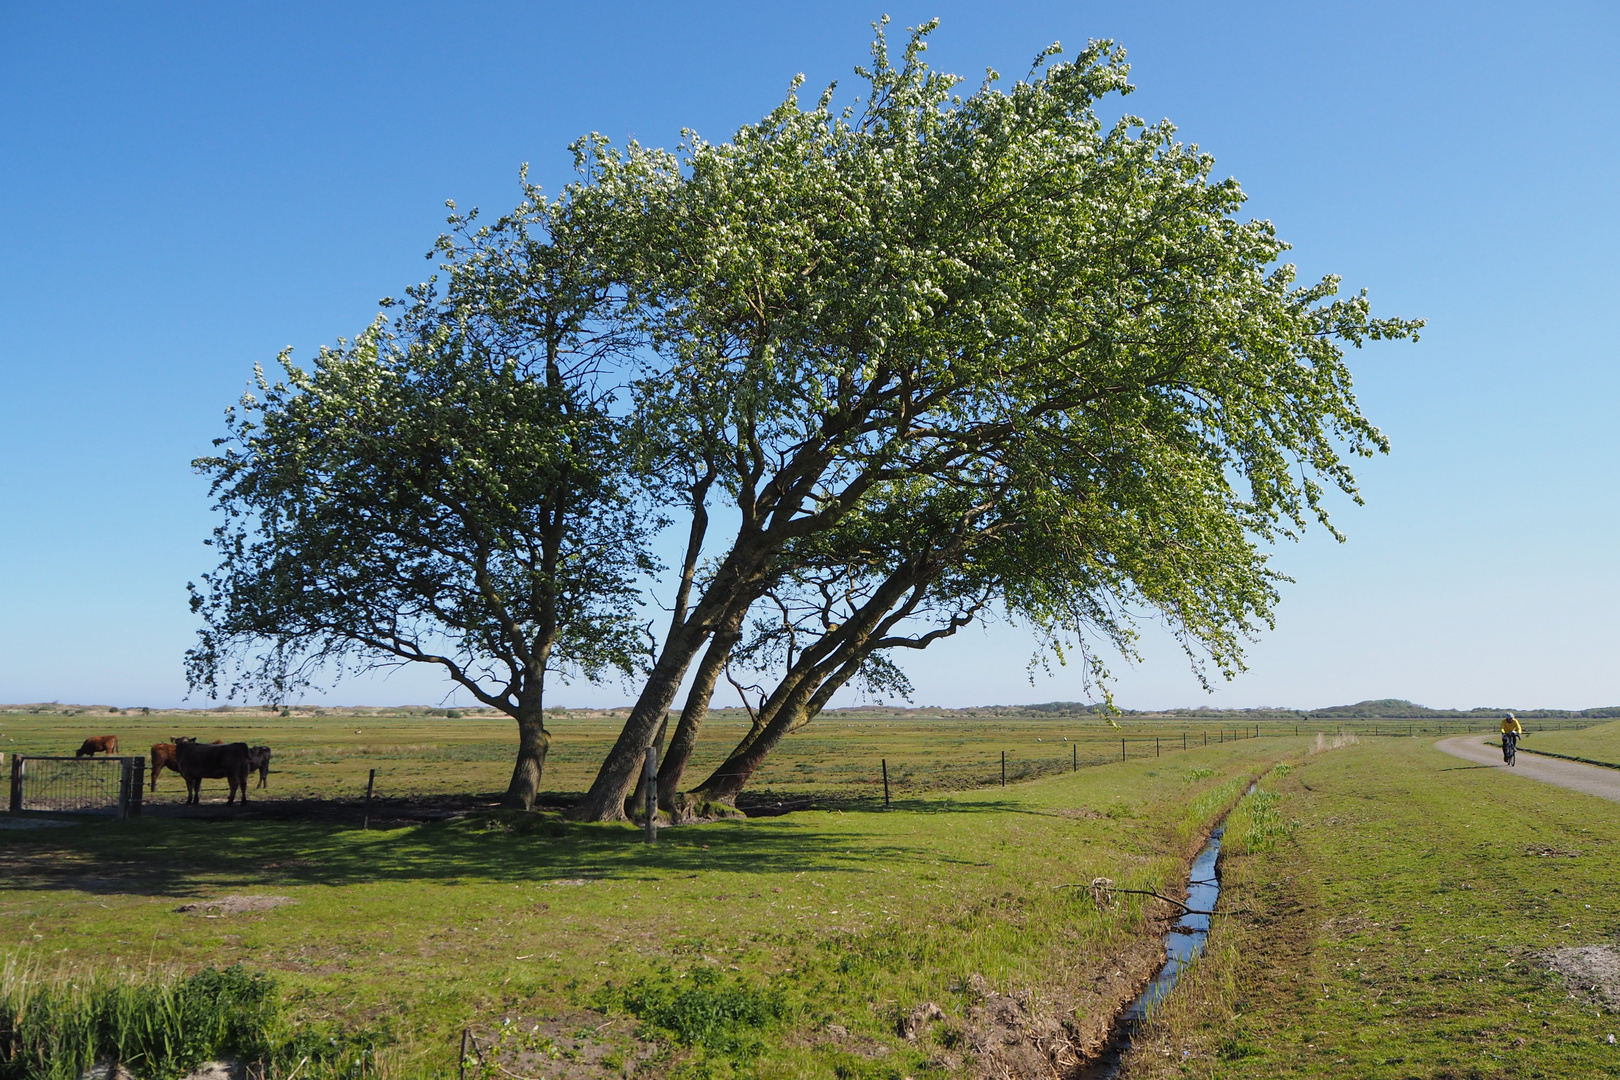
(673, 765)
(801, 705)
(533, 743)
(635, 807)
(736, 586)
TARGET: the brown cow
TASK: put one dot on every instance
(259, 761)
(200, 761)
(163, 757)
(98, 744)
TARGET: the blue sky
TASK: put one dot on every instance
(190, 188)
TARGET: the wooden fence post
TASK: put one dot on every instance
(885, 783)
(1004, 768)
(16, 783)
(650, 776)
(370, 782)
(1122, 749)
(1074, 755)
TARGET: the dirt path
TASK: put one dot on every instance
(1604, 783)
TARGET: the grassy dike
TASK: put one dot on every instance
(806, 945)
(1390, 904)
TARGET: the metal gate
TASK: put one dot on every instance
(73, 785)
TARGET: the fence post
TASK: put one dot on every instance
(1122, 749)
(1004, 768)
(650, 776)
(16, 783)
(138, 768)
(123, 789)
(370, 781)
(1074, 754)
(1184, 740)
(1155, 746)
(885, 783)
(1206, 737)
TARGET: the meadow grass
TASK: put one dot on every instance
(1599, 743)
(795, 945)
(1389, 908)
(840, 756)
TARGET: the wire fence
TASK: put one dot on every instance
(73, 785)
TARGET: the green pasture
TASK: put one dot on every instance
(1599, 743)
(840, 755)
(823, 929)
(1391, 911)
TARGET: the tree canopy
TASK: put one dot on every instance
(925, 358)
(446, 490)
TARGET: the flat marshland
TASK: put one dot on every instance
(819, 937)
(840, 939)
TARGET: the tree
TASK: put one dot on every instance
(973, 292)
(446, 491)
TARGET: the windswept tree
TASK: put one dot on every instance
(844, 302)
(446, 490)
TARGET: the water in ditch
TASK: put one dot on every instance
(1182, 945)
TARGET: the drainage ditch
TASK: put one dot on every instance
(1183, 943)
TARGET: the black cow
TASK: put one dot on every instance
(197, 762)
(259, 760)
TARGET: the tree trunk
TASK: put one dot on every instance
(797, 708)
(635, 807)
(737, 585)
(533, 742)
(673, 765)
(605, 800)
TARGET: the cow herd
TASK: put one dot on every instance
(196, 762)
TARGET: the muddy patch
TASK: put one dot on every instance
(1591, 971)
(233, 905)
(584, 1047)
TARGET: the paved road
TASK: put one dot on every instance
(1604, 783)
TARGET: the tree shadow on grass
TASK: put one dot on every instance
(187, 858)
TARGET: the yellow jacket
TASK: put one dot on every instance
(1509, 724)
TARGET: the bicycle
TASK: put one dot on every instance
(1510, 747)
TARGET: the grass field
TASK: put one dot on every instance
(1391, 918)
(420, 753)
(820, 938)
(1388, 903)
(1600, 742)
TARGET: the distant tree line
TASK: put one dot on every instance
(881, 372)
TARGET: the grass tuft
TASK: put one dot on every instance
(699, 1009)
(58, 1028)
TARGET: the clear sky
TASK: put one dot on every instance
(189, 188)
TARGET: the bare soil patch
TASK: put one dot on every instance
(1590, 970)
(233, 905)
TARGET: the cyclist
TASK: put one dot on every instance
(1510, 738)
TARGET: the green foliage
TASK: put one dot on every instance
(1265, 825)
(159, 1028)
(699, 1008)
